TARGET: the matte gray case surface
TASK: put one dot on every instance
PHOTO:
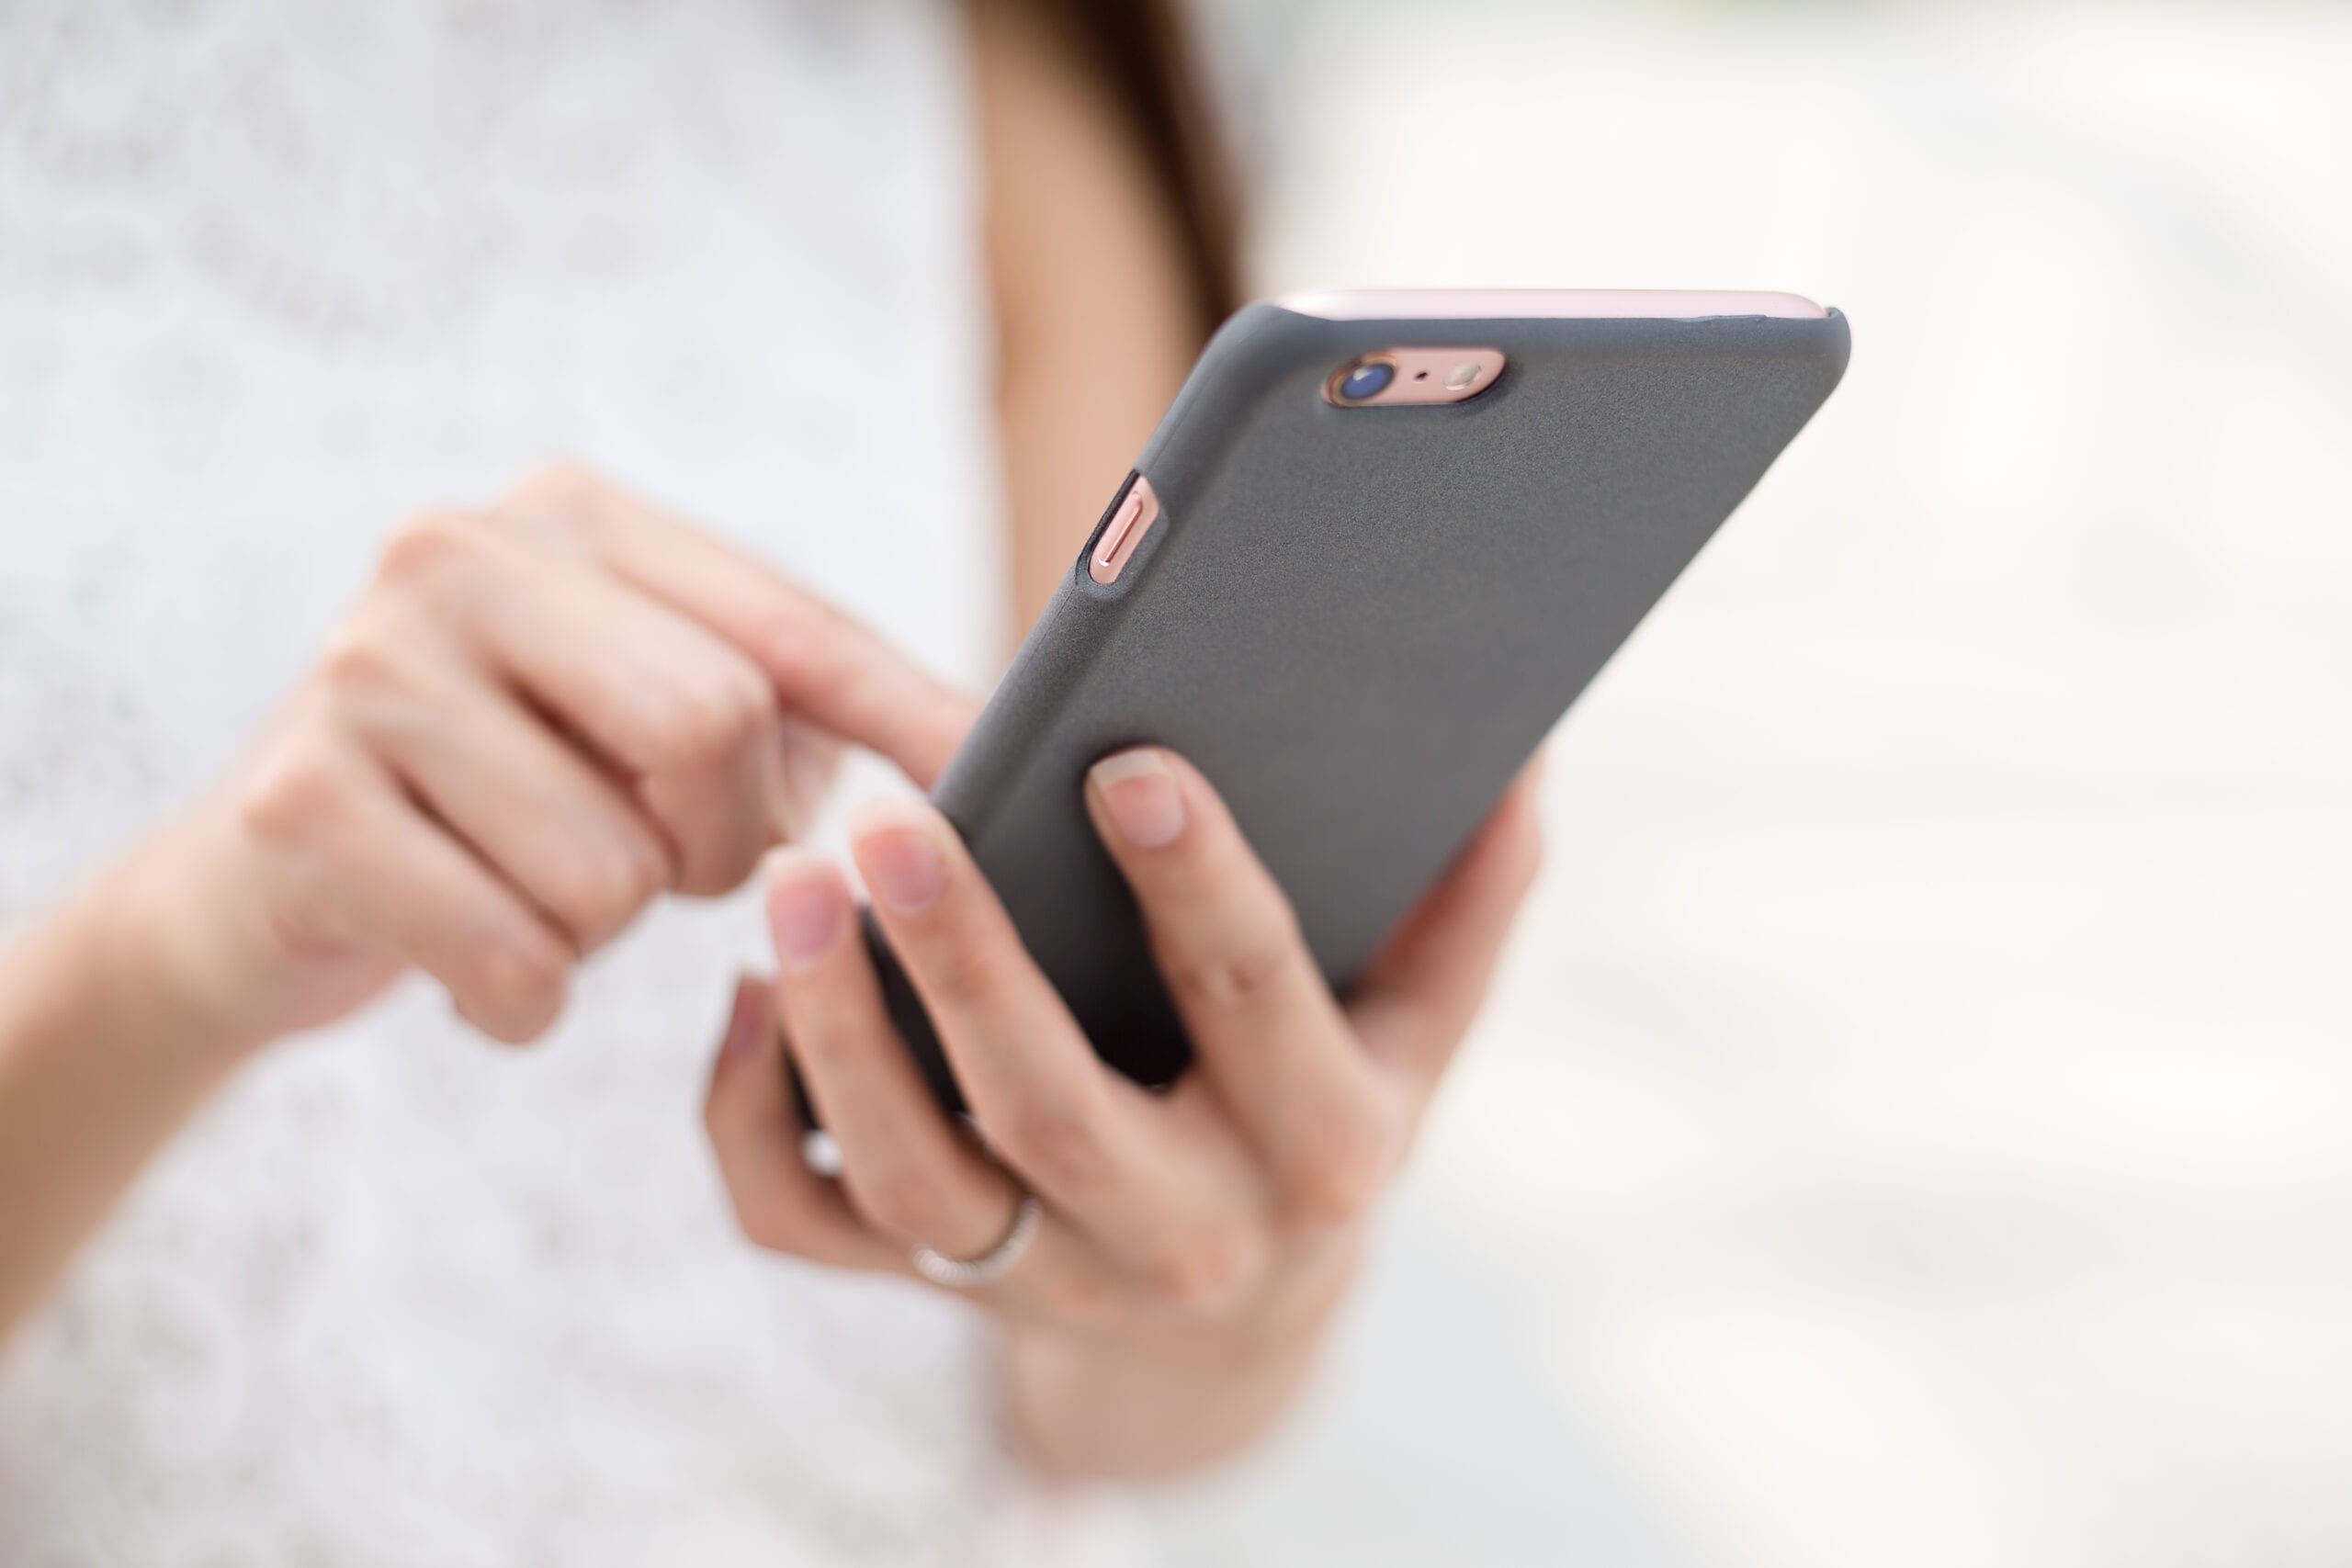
(1358, 623)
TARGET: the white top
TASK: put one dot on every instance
(274, 274)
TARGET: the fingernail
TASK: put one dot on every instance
(902, 866)
(1141, 797)
(808, 907)
(801, 771)
(743, 1023)
(787, 814)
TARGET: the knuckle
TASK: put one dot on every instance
(1240, 970)
(526, 963)
(294, 796)
(801, 644)
(820, 1050)
(904, 1200)
(1059, 1141)
(520, 978)
(358, 665)
(769, 1221)
(1336, 1184)
(712, 869)
(559, 491)
(600, 887)
(713, 718)
(431, 544)
(1205, 1271)
(957, 973)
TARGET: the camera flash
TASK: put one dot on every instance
(1463, 375)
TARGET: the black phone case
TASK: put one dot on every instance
(1358, 623)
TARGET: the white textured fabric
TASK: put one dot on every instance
(273, 275)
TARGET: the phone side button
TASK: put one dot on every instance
(1129, 525)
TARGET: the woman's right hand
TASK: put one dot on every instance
(540, 717)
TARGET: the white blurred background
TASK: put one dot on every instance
(1916, 1125)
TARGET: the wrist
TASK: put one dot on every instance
(1081, 1405)
(164, 962)
(1079, 1409)
(107, 1043)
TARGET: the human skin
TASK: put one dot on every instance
(540, 717)
(545, 714)
(1097, 329)
(125, 1006)
(1196, 1240)
(665, 762)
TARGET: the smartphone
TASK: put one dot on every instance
(1377, 546)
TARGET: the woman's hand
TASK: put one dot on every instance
(540, 715)
(1195, 1239)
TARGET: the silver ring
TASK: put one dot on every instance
(963, 1273)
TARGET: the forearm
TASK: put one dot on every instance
(102, 1057)
(1085, 1410)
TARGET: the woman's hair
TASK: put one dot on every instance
(1142, 53)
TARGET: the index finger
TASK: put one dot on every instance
(1262, 1021)
(825, 664)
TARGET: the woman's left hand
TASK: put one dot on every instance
(1194, 1240)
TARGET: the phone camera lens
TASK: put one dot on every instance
(1368, 379)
